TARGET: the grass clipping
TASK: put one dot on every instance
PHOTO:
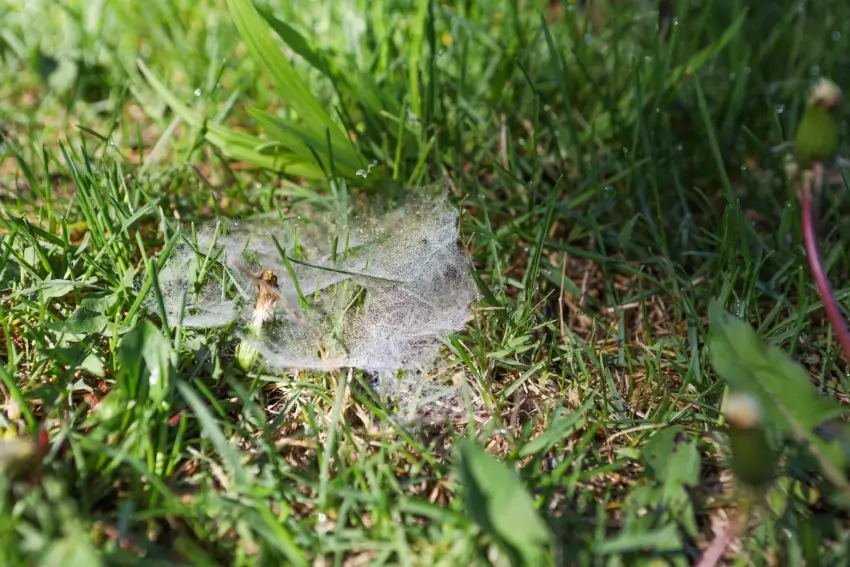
(380, 293)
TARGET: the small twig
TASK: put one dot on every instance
(588, 272)
(833, 312)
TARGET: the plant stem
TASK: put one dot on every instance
(733, 529)
(833, 313)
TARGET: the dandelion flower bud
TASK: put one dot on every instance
(753, 459)
(817, 133)
(17, 454)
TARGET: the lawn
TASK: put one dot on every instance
(495, 234)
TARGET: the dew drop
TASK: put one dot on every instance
(743, 167)
(836, 35)
(680, 147)
(198, 92)
(780, 108)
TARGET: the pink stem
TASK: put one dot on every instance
(714, 552)
(833, 313)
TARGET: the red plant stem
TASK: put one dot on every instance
(714, 552)
(833, 313)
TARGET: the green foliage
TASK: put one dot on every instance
(672, 459)
(499, 503)
(144, 363)
(792, 405)
(672, 462)
(309, 143)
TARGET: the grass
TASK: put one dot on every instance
(613, 181)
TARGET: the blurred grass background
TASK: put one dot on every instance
(614, 169)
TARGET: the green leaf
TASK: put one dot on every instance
(556, 431)
(99, 303)
(257, 35)
(93, 365)
(234, 144)
(70, 355)
(261, 45)
(783, 387)
(57, 288)
(671, 457)
(111, 406)
(75, 548)
(298, 43)
(84, 322)
(229, 454)
(501, 506)
(300, 142)
(144, 357)
(663, 539)
(415, 55)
